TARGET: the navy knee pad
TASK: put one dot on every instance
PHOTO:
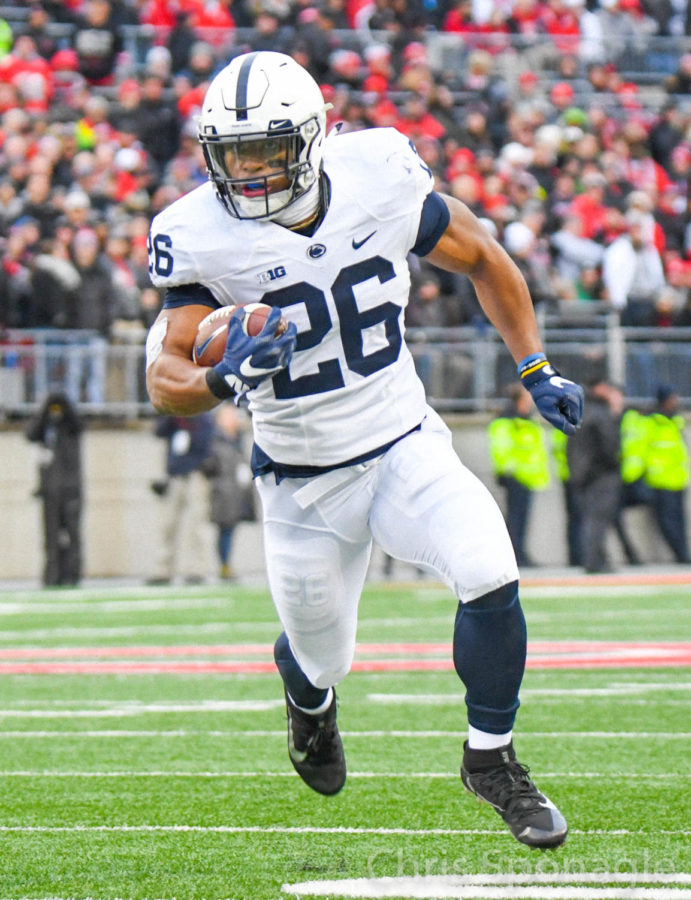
(489, 651)
(301, 690)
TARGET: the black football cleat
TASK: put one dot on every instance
(315, 748)
(497, 777)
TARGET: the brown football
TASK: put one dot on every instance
(210, 343)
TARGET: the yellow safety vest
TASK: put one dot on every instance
(635, 436)
(518, 449)
(667, 458)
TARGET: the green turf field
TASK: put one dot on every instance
(160, 771)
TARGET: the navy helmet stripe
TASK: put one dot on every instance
(243, 79)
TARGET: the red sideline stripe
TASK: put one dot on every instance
(390, 649)
(628, 656)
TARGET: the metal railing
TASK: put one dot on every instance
(464, 369)
(640, 57)
(103, 378)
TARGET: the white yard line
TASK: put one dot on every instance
(451, 776)
(312, 889)
(497, 887)
(17, 637)
(554, 878)
(469, 893)
(266, 733)
(394, 699)
(119, 733)
(126, 710)
(613, 691)
(460, 893)
(61, 607)
(307, 829)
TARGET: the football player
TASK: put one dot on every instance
(346, 449)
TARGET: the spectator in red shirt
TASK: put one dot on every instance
(159, 13)
(212, 19)
(460, 19)
(561, 98)
(560, 20)
(418, 122)
(29, 73)
(589, 205)
(379, 69)
(492, 35)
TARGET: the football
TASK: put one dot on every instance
(210, 343)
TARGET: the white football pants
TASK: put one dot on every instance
(421, 505)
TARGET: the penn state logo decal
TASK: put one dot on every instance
(314, 251)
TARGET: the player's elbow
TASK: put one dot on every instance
(155, 387)
(178, 389)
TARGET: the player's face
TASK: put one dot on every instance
(265, 159)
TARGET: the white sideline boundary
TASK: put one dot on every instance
(540, 886)
(488, 887)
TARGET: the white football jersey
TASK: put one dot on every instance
(351, 385)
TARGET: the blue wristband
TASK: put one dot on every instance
(529, 360)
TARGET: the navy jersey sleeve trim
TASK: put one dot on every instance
(189, 295)
(434, 220)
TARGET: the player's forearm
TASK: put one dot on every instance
(467, 247)
(178, 387)
(504, 296)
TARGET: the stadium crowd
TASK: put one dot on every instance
(581, 174)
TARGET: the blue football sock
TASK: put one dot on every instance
(489, 651)
(302, 692)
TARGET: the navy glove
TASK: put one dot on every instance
(247, 361)
(558, 400)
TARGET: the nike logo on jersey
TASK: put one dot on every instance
(358, 244)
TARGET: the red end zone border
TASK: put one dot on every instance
(375, 657)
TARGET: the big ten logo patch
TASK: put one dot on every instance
(271, 275)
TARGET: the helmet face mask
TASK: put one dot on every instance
(261, 129)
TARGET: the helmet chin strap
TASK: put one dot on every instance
(300, 210)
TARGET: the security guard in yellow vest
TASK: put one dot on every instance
(667, 470)
(634, 446)
(520, 461)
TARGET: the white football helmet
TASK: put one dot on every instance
(262, 127)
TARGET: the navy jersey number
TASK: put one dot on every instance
(160, 259)
(329, 376)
